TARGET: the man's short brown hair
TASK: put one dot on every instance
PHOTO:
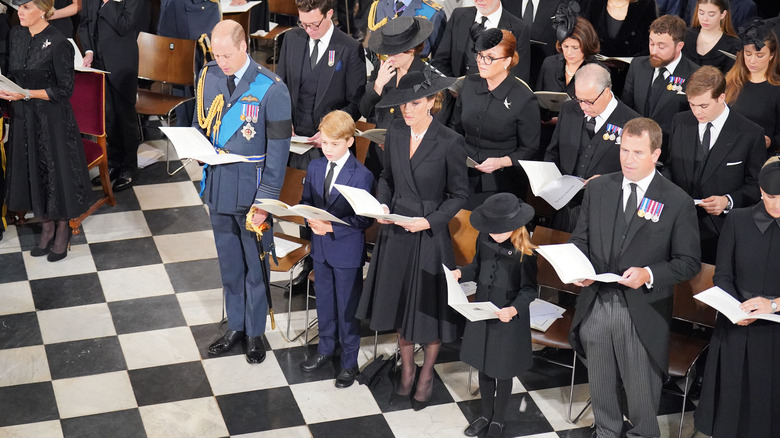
(309, 5)
(638, 126)
(706, 78)
(671, 24)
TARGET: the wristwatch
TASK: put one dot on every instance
(774, 305)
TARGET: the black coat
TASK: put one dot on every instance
(634, 35)
(714, 57)
(542, 31)
(455, 55)
(506, 278)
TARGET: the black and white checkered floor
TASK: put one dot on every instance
(111, 342)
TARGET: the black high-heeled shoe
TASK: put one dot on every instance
(55, 257)
(40, 252)
(419, 405)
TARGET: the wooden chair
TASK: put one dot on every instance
(361, 143)
(464, 237)
(88, 102)
(557, 336)
(292, 191)
(169, 61)
(283, 7)
(685, 349)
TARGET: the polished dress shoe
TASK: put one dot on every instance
(113, 172)
(226, 342)
(476, 426)
(314, 362)
(124, 180)
(495, 430)
(346, 377)
(255, 349)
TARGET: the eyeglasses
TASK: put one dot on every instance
(587, 102)
(314, 27)
(487, 59)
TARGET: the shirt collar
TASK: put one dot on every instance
(500, 92)
(762, 219)
(240, 72)
(673, 65)
(719, 121)
(642, 184)
(341, 161)
(492, 18)
(613, 103)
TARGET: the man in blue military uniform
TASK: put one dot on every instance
(384, 10)
(243, 109)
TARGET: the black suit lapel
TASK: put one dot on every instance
(608, 204)
(299, 50)
(653, 192)
(723, 145)
(402, 156)
(345, 175)
(425, 149)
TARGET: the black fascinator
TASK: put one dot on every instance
(755, 33)
(565, 19)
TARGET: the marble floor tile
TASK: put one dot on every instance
(554, 404)
(136, 282)
(42, 429)
(169, 383)
(186, 246)
(94, 394)
(142, 314)
(287, 432)
(321, 401)
(372, 426)
(125, 201)
(201, 307)
(208, 333)
(75, 323)
(124, 253)
(194, 275)
(68, 291)
(523, 416)
(159, 347)
(670, 425)
(16, 298)
(19, 330)
(105, 425)
(233, 374)
(115, 226)
(10, 242)
(28, 403)
(78, 261)
(444, 421)
(178, 220)
(85, 357)
(198, 417)
(12, 268)
(168, 195)
(23, 365)
(260, 410)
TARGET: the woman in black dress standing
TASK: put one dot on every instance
(424, 178)
(741, 389)
(47, 170)
(753, 84)
(499, 116)
(710, 35)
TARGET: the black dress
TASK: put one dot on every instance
(761, 104)
(714, 57)
(506, 278)
(405, 288)
(497, 123)
(741, 389)
(64, 25)
(47, 170)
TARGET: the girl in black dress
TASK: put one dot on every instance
(504, 268)
(741, 390)
(753, 84)
(424, 178)
(711, 34)
(47, 170)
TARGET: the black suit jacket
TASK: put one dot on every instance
(341, 86)
(634, 35)
(668, 247)
(565, 145)
(455, 54)
(541, 30)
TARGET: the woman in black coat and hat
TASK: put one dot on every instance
(424, 178)
(504, 268)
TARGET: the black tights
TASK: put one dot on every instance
(495, 397)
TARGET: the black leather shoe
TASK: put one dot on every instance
(113, 172)
(123, 181)
(226, 342)
(255, 349)
(346, 377)
(495, 430)
(314, 362)
(476, 426)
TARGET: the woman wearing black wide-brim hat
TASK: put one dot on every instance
(424, 178)
(504, 268)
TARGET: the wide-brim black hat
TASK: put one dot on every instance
(399, 35)
(501, 213)
(416, 85)
(19, 2)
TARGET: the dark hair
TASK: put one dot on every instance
(706, 78)
(638, 126)
(739, 74)
(586, 35)
(723, 5)
(671, 24)
(309, 5)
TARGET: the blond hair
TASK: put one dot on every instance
(521, 240)
(338, 125)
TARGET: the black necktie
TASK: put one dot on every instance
(590, 125)
(528, 14)
(314, 54)
(705, 140)
(231, 84)
(630, 207)
(484, 20)
(328, 180)
(656, 89)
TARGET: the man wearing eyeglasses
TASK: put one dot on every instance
(586, 140)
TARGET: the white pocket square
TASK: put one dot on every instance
(734, 163)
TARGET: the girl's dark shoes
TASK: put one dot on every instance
(476, 426)
(495, 430)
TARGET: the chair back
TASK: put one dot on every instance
(284, 7)
(292, 191)
(164, 59)
(464, 237)
(362, 143)
(88, 102)
(687, 308)
(546, 275)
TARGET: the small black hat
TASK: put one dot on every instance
(565, 19)
(400, 34)
(769, 178)
(488, 39)
(755, 33)
(501, 213)
(416, 85)
(20, 2)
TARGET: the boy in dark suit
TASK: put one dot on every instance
(337, 249)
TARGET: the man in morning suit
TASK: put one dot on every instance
(622, 329)
(254, 107)
(456, 56)
(338, 249)
(538, 15)
(108, 32)
(655, 84)
(324, 69)
(384, 10)
(715, 155)
(586, 140)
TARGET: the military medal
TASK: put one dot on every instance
(331, 58)
(670, 87)
(250, 109)
(642, 207)
(248, 131)
(657, 213)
